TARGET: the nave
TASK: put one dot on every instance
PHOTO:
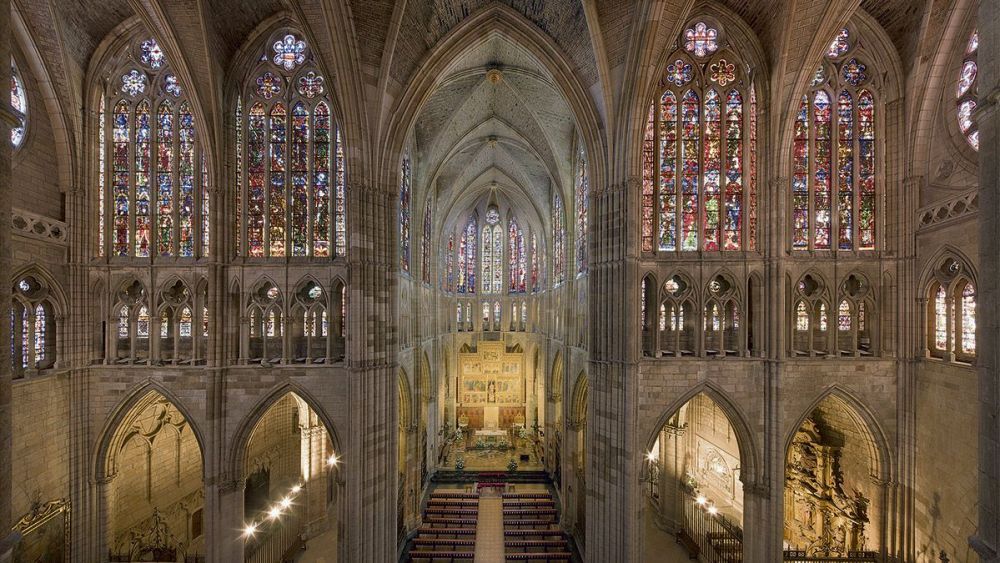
(487, 518)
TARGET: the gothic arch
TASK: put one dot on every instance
(112, 432)
(55, 291)
(557, 377)
(578, 407)
(406, 415)
(61, 125)
(472, 31)
(946, 251)
(866, 423)
(749, 457)
(241, 438)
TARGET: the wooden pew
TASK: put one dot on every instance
(438, 556)
(535, 546)
(545, 556)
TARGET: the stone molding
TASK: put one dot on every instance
(37, 227)
(962, 206)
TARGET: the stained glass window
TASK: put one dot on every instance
(534, 262)
(467, 257)
(844, 316)
(39, 330)
(185, 323)
(238, 193)
(801, 317)
(449, 264)
(833, 160)
(101, 177)
(967, 91)
(663, 316)
(582, 204)
(19, 103)
(142, 323)
(158, 199)
(701, 39)
(204, 322)
(123, 328)
(699, 163)
(164, 324)
(294, 187)
(968, 320)
(941, 319)
(25, 338)
(823, 320)
(425, 246)
(516, 254)
(558, 241)
(492, 253)
(404, 213)
(642, 305)
(840, 44)
(496, 314)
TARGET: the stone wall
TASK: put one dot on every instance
(945, 487)
(41, 441)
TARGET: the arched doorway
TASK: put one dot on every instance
(692, 484)
(290, 469)
(153, 488)
(833, 496)
(576, 440)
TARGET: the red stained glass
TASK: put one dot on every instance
(752, 179)
(648, 180)
(185, 241)
(164, 178)
(256, 179)
(866, 170)
(143, 222)
(321, 181)
(668, 172)
(821, 169)
(712, 163)
(733, 219)
(299, 165)
(845, 170)
(690, 167)
(120, 179)
(277, 192)
(800, 178)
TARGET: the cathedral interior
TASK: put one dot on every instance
(430, 281)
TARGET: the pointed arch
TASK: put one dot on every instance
(865, 421)
(132, 404)
(578, 406)
(471, 32)
(745, 438)
(244, 430)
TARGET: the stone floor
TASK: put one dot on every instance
(489, 529)
(661, 547)
(320, 549)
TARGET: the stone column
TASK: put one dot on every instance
(986, 542)
(371, 449)
(6, 416)
(614, 457)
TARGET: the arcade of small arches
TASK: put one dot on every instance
(717, 330)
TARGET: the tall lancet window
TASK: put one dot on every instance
(834, 197)
(558, 241)
(582, 179)
(152, 195)
(467, 256)
(698, 156)
(405, 180)
(516, 255)
(290, 198)
(425, 246)
(492, 252)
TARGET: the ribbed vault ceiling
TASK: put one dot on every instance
(495, 119)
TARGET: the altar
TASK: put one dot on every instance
(491, 436)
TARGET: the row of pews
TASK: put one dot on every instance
(448, 532)
(531, 528)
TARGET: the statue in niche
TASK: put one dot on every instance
(820, 516)
(491, 392)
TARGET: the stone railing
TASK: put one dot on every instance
(34, 226)
(949, 210)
